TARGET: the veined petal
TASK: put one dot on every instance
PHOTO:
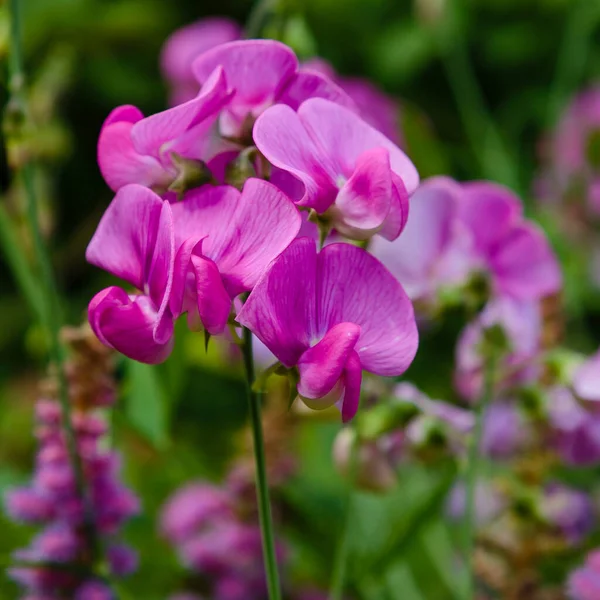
(352, 379)
(281, 310)
(396, 219)
(322, 365)
(149, 134)
(256, 69)
(364, 201)
(127, 324)
(524, 266)
(264, 224)
(212, 300)
(124, 241)
(119, 162)
(354, 287)
(281, 137)
(344, 136)
(310, 84)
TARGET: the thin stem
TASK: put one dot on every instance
(473, 469)
(262, 486)
(52, 309)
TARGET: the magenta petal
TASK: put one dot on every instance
(310, 84)
(364, 201)
(127, 324)
(280, 135)
(181, 267)
(352, 381)
(525, 266)
(150, 134)
(280, 311)
(355, 287)
(344, 136)
(256, 69)
(322, 365)
(126, 113)
(124, 241)
(397, 216)
(119, 162)
(213, 301)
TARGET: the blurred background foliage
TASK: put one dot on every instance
(479, 81)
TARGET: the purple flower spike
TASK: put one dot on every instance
(350, 171)
(134, 149)
(194, 256)
(185, 45)
(262, 73)
(332, 314)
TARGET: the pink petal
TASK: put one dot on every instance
(282, 138)
(127, 324)
(181, 267)
(354, 287)
(344, 136)
(126, 113)
(189, 42)
(119, 162)
(397, 216)
(124, 241)
(525, 266)
(352, 381)
(322, 365)
(213, 302)
(150, 134)
(256, 69)
(281, 309)
(586, 379)
(364, 201)
(310, 84)
(489, 210)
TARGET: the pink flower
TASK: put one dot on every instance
(134, 149)
(584, 583)
(262, 73)
(330, 315)
(350, 172)
(185, 45)
(194, 256)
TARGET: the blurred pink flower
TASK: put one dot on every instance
(332, 314)
(584, 582)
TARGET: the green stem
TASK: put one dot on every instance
(262, 486)
(473, 469)
(52, 309)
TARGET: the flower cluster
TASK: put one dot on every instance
(326, 315)
(62, 560)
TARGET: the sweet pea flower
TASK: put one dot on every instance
(504, 430)
(351, 174)
(329, 315)
(193, 257)
(134, 149)
(262, 73)
(435, 248)
(584, 582)
(185, 45)
(569, 510)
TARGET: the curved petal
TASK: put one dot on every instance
(150, 134)
(364, 201)
(310, 84)
(524, 266)
(127, 324)
(281, 137)
(181, 267)
(265, 223)
(281, 311)
(396, 219)
(124, 241)
(490, 210)
(256, 69)
(119, 162)
(352, 379)
(355, 287)
(344, 136)
(322, 365)
(126, 113)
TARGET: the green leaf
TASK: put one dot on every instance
(146, 403)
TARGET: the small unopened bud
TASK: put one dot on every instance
(366, 463)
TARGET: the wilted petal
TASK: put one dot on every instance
(127, 324)
(124, 241)
(322, 365)
(355, 287)
(281, 309)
